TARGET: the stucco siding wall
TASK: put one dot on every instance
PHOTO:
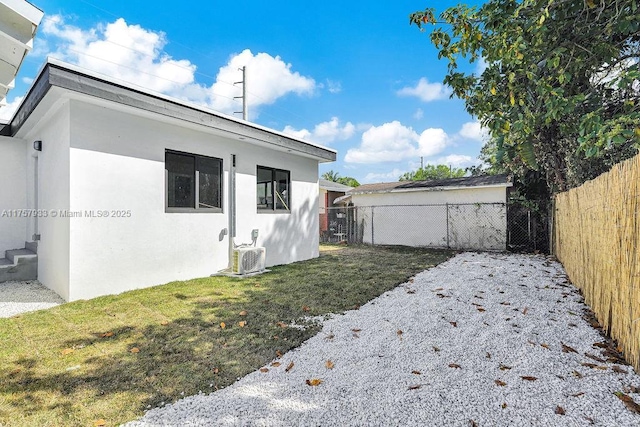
(53, 197)
(117, 166)
(13, 187)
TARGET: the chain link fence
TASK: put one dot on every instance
(474, 226)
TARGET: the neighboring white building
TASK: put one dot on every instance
(459, 213)
(133, 189)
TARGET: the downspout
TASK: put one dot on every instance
(232, 208)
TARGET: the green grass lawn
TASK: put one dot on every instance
(112, 358)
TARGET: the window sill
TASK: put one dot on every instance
(192, 210)
(271, 211)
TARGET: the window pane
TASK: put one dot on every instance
(282, 189)
(265, 188)
(210, 182)
(181, 177)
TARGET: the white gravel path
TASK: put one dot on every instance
(21, 297)
(425, 354)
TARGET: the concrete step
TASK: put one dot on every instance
(4, 261)
(14, 254)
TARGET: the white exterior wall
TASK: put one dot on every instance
(52, 195)
(117, 164)
(422, 218)
(13, 192)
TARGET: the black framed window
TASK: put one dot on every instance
(273, 189)
(194, 182)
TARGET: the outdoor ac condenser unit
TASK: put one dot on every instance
(248, 260)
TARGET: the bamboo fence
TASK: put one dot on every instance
(597, 239)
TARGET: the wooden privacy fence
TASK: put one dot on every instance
(597, 239)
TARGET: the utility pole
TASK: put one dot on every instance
(245, 110)
(421, 162)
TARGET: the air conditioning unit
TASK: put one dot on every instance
(248, 260)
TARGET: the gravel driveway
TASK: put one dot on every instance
(482, 339)
(20, 297)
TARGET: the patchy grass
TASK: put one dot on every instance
(112, 358)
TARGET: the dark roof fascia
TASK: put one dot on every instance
(69, 79)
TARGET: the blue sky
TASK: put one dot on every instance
(353, 76)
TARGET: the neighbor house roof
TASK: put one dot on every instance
(434, 184)
(18, 22)
(333, 186)
(64, 78)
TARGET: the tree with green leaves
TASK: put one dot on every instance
(344, 180)
(560, 94)
(433, 172)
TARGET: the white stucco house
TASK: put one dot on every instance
(122, 188)
(459, 213)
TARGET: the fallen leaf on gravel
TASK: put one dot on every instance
(476, 304)
(455, 324)
(67, 351)
(531, 342)
(329, 364)
(442, 295)
(454, 365)
(330, 336)
(314, 382)
(504, 405)
(107, 335)
(416, 372)
(278, 354)
(488, 355)
(578, 394)
(281, 324)
(505, 303)
(99, 423)
(577, 374)
(504, 367)
(263, 370)
(289, 367)
(415, 387)
(559, 410)
(594, 366)
(436, 349)
(135, 350)
(411, 280)
(437, 289)
(399, 333)
(481, 309)
(216, 370)
(478, 296)
(305, 308)
(628, 402)
(596, 358)
(601, 344)
(356, 330)
(223, 325)
(242, 324)
(567, 349)
(275, 364)
(500, 383)
(543, 345)
(411, 291)
(471, 422)
(526, 309)
(528, 378)
(243, 313)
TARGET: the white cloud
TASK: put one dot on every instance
(392, 142)
(474, 130)
(333, 86)
(325, 132)
(426, 91)
(268, 78)
(418, 114)
(135, 55)
(384, 177)
(457, 161)
(7, 111)
(27, 80)
(481, 65)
